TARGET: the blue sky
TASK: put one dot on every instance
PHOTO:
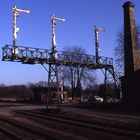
(35, 30)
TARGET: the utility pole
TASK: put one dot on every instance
(16, 12)
(97, 49)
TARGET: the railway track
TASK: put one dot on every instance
(8, 135)
(101, 125)
(17, 130)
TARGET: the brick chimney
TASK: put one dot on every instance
(131, 54)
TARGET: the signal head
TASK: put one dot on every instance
(28, 12)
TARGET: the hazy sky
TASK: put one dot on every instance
(35, 30)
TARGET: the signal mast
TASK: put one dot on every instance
(97, 49)
(16, 12)
(53, 20)
(53, 67)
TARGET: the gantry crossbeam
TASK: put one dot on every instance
(29, 55)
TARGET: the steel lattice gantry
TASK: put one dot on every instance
(27, 55)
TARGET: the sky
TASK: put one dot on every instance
(35, 30)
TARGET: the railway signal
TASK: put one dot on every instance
(53, 20)
(53, 80)
(97, 49)
(16, 13)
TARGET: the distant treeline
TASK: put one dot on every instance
(15, 91)
(27, 93)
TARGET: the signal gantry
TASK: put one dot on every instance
(55, 59)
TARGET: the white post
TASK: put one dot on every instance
(16, 12)
(53, 20)
(97, 30)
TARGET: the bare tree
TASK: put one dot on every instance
(77, 76)
(119, 50)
